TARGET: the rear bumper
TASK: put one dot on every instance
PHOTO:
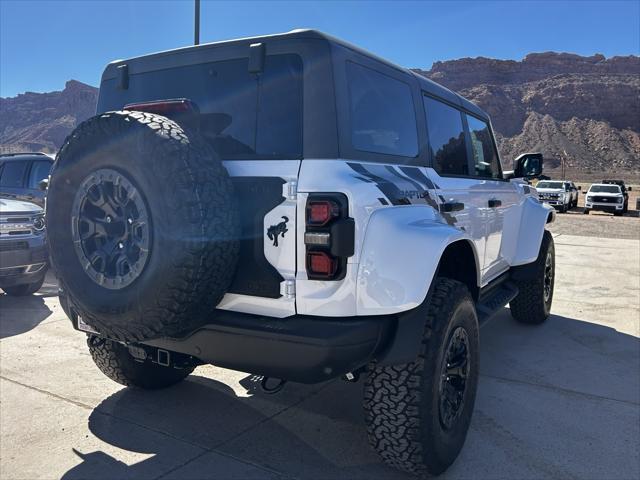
(301, 349)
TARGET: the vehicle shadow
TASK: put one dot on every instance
(318, 432)
(21, 314)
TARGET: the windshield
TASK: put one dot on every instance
(550, 185)
(604, 189)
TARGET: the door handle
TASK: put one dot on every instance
(451, 206)
(494, 202)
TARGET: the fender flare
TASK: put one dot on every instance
(400, 256)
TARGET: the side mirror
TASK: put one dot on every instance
(43, 184)
(528, 165)
(629, 189)
(579, 187)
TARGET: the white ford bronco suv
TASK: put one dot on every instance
(294, 207)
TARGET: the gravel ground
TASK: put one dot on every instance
(597, 224)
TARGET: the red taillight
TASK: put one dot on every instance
(328, 236)
(164, 107)
(321, 264)
(321, 212)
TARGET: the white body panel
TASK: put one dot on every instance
(400, 234)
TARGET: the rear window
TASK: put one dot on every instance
(243, 115)
(382, 116)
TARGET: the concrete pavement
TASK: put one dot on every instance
(557, 401)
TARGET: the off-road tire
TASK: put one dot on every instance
(530, 305)
(25, 289)
(114, 360)
(401, 402)
(193, 225)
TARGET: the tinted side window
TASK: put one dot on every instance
(446, 138)
(13, 174)
(39, 171)
(485, 156)
(382, 116)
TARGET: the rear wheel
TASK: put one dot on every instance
(418, 413)
(533, 303)
(116, 362)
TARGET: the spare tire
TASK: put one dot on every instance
(142, 225)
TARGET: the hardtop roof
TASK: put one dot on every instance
(427, 85)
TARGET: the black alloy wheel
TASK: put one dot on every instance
(110, 227)
(453, 378)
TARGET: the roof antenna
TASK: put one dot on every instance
(196, 25)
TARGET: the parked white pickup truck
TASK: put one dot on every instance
(561, 194)
(606, 198)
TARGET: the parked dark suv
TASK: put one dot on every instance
(23, 252)
(21, 174)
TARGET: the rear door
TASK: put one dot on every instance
(261, 144)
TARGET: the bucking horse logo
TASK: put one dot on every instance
(279, 229)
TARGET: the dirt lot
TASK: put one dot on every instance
(597, 224)
(561, 400)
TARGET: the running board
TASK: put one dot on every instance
(495, 300)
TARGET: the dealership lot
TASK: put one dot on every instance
(557, 401)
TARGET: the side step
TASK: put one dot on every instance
(495, 299)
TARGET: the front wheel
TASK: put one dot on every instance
(116, 361)
(418, 413)
(586, 211)
(533, 303)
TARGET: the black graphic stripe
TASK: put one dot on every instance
(389, 189)
(416, 174)
(396, 173)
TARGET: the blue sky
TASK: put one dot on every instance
(45, 43)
